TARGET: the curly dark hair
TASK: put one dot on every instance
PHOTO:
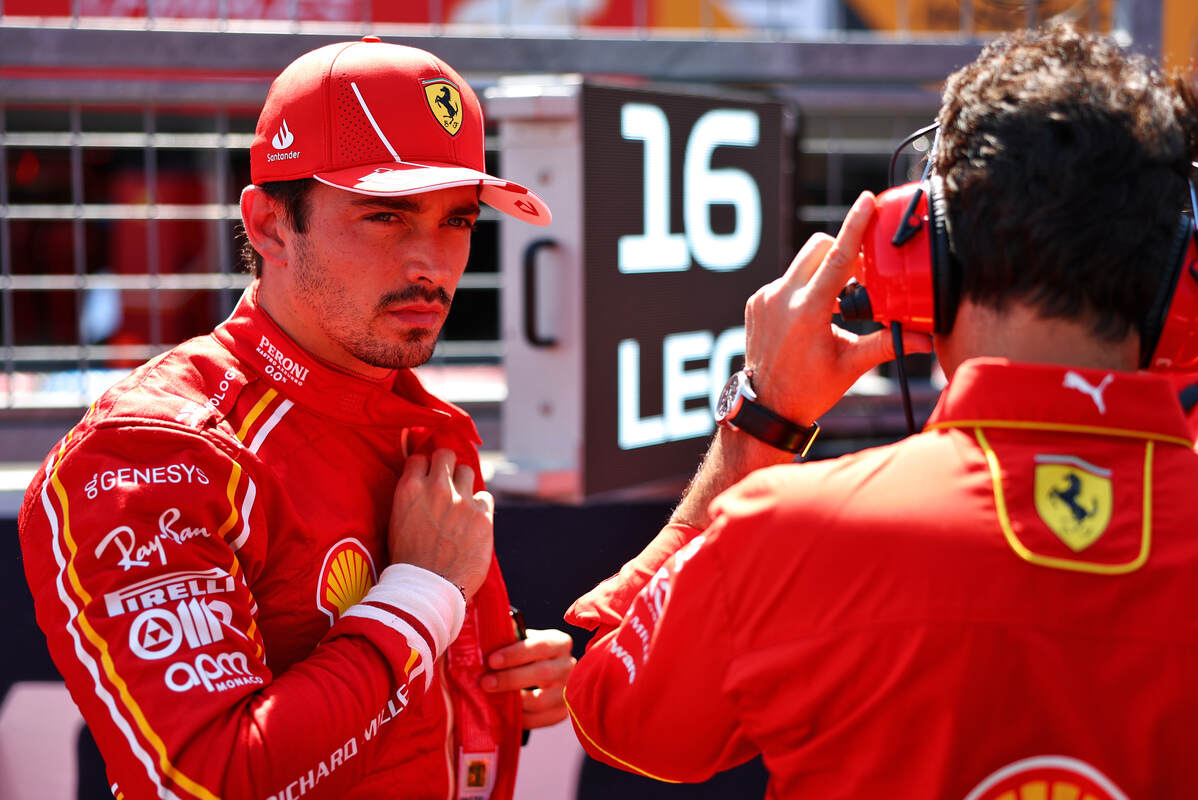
(1065, 162)
(294, 197)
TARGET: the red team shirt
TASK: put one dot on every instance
(206, 551)
(998, 608)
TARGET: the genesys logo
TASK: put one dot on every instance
(160, 590)
(215, 673)
(1048, 777)
(345, 577)
(158, 633)
(280, 366)
(109, 479)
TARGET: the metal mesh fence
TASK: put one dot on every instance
(118, 239)
(124, 137)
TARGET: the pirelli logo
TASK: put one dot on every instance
(163, 589)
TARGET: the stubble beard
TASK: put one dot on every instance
(345, 323)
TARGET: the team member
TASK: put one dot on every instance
(263, 562)
(1002, 605)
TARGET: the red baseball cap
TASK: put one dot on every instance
(380, 119)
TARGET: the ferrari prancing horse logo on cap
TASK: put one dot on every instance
(445, 101)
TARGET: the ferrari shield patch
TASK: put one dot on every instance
(445, 102)
(1073, 498)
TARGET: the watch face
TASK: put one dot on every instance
(727, 402)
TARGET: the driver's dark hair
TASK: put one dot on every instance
(1065, 162)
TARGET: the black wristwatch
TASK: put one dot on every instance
(739, 410)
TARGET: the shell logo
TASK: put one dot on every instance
(1047, 778)
(345, 577)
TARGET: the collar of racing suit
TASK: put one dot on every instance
(996, 392)
(254, 337)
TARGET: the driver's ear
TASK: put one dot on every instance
(265, 226)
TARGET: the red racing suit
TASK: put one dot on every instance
(207, 552)
(1001, 605)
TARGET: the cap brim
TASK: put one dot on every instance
(398, 179)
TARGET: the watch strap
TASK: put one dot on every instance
(774, 429)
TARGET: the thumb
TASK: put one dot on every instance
(868, 351)
(914, 342)
(872, 349)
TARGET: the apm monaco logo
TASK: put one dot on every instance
(1048, 777)
(283, 139)
(345, 577)
(445, 101)
(217, 673)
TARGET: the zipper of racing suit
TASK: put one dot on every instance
(450, 764)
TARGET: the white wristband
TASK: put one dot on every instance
(408, 598)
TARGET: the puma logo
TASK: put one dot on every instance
(1076, 381)
(283, 138)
